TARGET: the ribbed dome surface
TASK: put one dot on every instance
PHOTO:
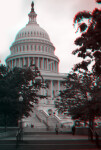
(32, 31)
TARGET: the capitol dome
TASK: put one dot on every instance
(33, 45)
(34, 31)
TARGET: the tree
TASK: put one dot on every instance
(15, 83)
(89, 43)
(79, 98)
(98, 1)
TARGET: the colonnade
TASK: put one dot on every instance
(41, 63)
(51, 91)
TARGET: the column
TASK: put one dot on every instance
(59, 86)
(38, 63)
(47, 64)
(19, 62)
(16, 62)
(12, 63)
(51, 85)
(24, 61)
(43, 63)
(45, 90)
(51, 66)
(28, 61)
(34, 60)
(57, 67)
(54, 66)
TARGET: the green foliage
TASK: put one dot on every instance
(89, 42)
(14, 83)
(80, 98)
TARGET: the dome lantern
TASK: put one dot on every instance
(32, 15)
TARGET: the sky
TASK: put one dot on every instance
(55, 16)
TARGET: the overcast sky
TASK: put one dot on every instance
(55, 16)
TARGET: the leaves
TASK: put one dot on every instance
(80, 98)
(82, 65)
(90, 39)
(14, 83)
(81, 15)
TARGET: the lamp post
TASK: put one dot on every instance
(21, 126)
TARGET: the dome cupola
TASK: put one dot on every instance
(32, 29)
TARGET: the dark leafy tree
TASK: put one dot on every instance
(89, 43)
(18, 82)
(80, 98)
(98, 1)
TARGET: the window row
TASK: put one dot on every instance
(25, 34)
(31, 48)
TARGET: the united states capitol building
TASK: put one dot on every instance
(33, 44)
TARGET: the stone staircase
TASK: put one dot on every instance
(36, 121)
(41, 121)
(52, 122)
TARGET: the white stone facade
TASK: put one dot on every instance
(32, 44)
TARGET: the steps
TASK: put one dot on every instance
(34, 120)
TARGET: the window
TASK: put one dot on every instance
(23, 48)
(31, 47)
(39, 47)
(42, 48)
(46, 49)
(35, 47)
(16, 49)
(27, 47)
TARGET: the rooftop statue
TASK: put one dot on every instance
(32, 5)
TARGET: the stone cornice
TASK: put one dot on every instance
(43, 55)
(31, 40)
